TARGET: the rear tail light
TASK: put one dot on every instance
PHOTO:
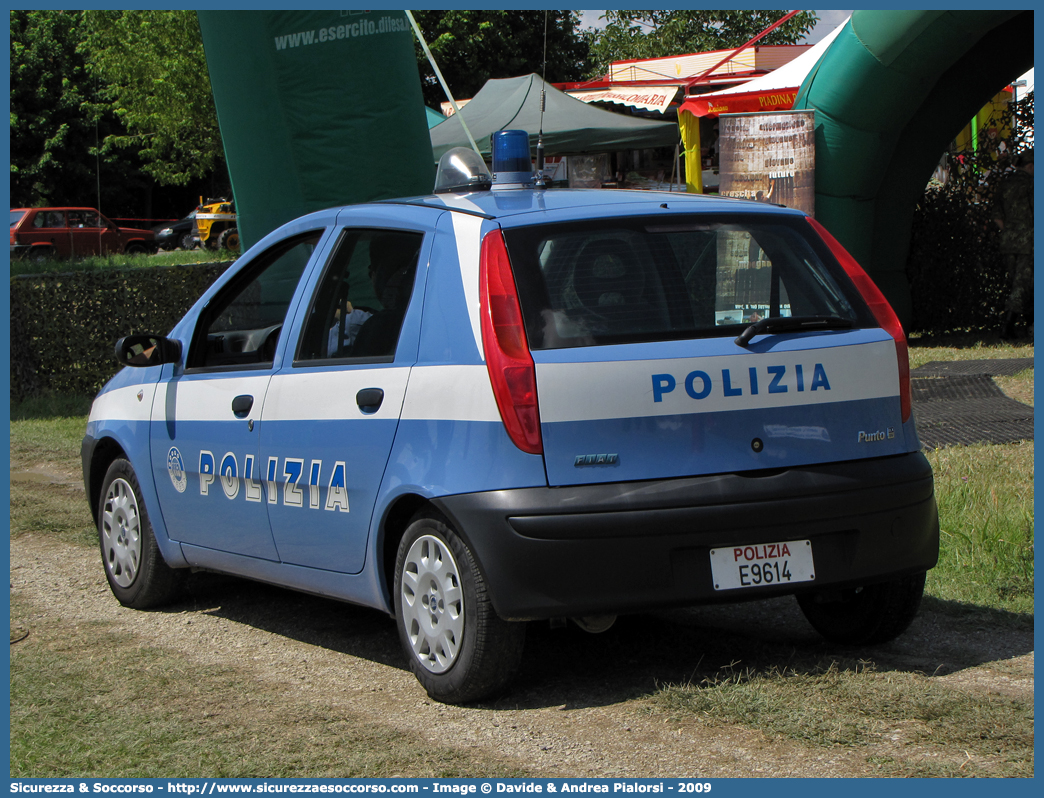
(511, 369)
(879, 307)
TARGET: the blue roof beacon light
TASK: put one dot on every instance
(512, 166)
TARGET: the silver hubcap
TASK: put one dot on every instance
(121, 533)
(433, 603)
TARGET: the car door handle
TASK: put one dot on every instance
(369, 399)
(241, 405)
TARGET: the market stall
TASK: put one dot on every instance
(568, 126)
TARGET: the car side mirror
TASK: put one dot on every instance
(147, 350)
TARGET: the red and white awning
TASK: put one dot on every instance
(741, 102)
(648, 98)
(775, 91)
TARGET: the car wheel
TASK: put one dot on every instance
(229, 239)
(40, 254)
(186, 241)
(135, 249)
(458, 648)
(134, 567)
(867, 615)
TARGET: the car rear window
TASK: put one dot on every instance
(628, 280)
(16, 217)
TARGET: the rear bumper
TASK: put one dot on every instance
(625, 547)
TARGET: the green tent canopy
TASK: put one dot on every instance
(434, 117)
(570, 127)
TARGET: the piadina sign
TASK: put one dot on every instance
(317, 109)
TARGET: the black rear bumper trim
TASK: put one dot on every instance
(622, 547)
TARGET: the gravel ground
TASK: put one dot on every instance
(580, 705)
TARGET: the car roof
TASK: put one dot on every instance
(59, 208)
(502, 203)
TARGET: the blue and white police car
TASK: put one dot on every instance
(500, 403)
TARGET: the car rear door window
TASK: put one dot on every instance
(84, 219)
(361, 300)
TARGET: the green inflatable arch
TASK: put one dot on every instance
(889, 94)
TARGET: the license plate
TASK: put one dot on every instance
(762, 565)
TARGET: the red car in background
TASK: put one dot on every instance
(72, 232)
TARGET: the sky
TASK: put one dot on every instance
(828, 20)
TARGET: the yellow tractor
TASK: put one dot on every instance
(215, 226)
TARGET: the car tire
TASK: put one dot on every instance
(40, 254)
(186, 241)
(135, 569)
(459, 649)
(864, 616)
(135, 249)
(229, 239)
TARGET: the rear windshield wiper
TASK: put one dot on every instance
(777, 324)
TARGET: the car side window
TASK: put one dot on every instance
(360, 302)
(241, 325)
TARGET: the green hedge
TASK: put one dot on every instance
(958, 281)
(957, 276)
(64, 326)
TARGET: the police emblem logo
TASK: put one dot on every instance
(176, 469)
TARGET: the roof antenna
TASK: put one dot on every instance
(442, 80)
(541, 181)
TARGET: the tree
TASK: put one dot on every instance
(52, 160)
(958, 279)
(472, 47)
(69, 142)
(652, 34)
(153, 72)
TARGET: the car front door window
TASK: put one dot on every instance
(243, 326)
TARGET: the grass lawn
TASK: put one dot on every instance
(985, 496)
(176, 257)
